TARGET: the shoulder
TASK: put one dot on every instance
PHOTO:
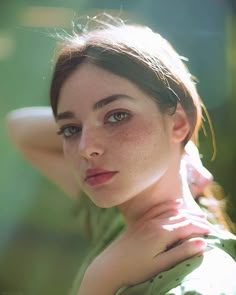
(211, 273)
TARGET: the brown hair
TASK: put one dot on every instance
(139, 55)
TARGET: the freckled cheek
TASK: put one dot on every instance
(133, 134)
(134, 144)
(140, 145)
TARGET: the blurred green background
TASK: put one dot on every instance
(40, 244)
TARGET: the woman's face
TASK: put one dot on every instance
(114, 137)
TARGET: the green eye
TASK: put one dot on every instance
(117, 117)
(69, 131)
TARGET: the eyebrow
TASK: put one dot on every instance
(98, 105)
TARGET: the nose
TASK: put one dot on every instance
(91, 144)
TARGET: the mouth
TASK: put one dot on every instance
(99, 178)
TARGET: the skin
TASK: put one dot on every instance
(144, 147)
(132, 137)
(140, 252)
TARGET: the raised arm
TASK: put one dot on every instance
(33, 132)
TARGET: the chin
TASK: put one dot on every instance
(103, 203)
(105, 200)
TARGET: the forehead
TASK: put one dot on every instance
(89, 83)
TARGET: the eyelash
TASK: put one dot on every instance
(113, 113)
(75, 130)
(62, 131)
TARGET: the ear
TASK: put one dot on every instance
(180, 127)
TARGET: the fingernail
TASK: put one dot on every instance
(201, 244)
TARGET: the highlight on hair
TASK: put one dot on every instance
(138, 54)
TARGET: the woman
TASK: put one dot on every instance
(126, 106)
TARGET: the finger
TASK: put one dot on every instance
(184, 229)
(163, 208)
(180, 253)
(188, 226)
(172, 217)
(176, 214)
(189, 218)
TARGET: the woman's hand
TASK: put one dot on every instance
(153, 244)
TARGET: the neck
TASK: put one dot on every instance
(173, 185)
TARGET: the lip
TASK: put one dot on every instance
(98, 176)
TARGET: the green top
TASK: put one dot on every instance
(211, 273)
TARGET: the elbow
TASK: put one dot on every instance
(14, 127)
